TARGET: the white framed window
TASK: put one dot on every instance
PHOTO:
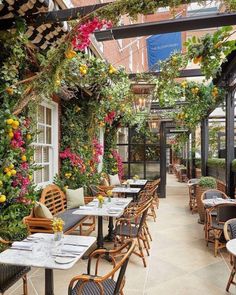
(130, 59)
(46, 145)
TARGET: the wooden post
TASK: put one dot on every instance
(204, 145)
(162, 160)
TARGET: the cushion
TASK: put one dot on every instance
(41, 211)
(104, 182)
(114, 179)
(75, 197)
(70, 219)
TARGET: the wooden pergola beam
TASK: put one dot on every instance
(167, 26)
(51, 16)
(188, 73)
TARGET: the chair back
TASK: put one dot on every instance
(193, 181)
(53, 198)
(230, 229)
(143, 213)
(213, 194)
(130, 245)
(225, 212)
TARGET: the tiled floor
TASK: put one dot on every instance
(179, 262)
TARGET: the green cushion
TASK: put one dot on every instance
(75, 197)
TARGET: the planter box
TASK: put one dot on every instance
(216, 172)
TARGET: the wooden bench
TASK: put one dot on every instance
(55, 200)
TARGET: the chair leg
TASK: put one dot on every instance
(146, 237)
(25, 286)
(231, 278)
(148, 232)
(141, 252)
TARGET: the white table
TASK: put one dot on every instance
(231, 247)
(26, 257)
(92, 209)
(208, 203)
(126, 190)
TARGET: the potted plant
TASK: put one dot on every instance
(205, 183)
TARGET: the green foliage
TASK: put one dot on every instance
(207, 182)
(210, 50)
(216, 162)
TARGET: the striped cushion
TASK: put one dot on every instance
(91, 288)
(127, 230)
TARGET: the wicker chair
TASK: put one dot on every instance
(224, 212)
(133, 227)
(192, 194)
(230, 233)
(10, 274)
(106, 284)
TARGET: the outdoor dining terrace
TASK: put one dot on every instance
(117, 147)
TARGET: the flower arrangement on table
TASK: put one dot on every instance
(100, 200)
(109, 195)
(57, 227)
(136, 177)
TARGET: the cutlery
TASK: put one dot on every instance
(74, 244)
(64, 255)
(18, 248)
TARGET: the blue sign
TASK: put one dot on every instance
(160, 47)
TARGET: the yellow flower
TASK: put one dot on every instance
(15, 124)
(13, 172)
(6, 170)
(109, 193)
(10, 135)
(28, 136)
(57, 224)
(112, 70)
(1, 183)
(9, 90)
(184, 84)
(101, 124)
(58, 82)
(70, 54)
(83, 69)
(2, 198)
(11, 166)
(9, 173)
(9, 121)
(100, 198)
(30, 177)
(24, 158)
(77, 109)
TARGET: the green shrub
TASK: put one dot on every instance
(207, 182)
(216, 162)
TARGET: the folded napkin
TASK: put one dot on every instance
(22, 245)
(85, 208)
(72, 249)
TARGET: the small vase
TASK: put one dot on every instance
(58, 236)
(109, 199)
(100, 204)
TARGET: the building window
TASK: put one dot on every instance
(46, 145)
(131, 59)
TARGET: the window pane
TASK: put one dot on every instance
(137, 153)
(136, 137)
(41, 118)
(48, 116)
(152, 171)
(152, 153)
(137, 169)
(46, 154)
(41, 135)
(46, 173)
(48, 135)
(38, 155)
(126, 172)
(122, 135)
(123, 151)
(38, 176)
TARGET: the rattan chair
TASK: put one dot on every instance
(224, 212)
(192, 194)
(230, 233)
(133, 227)
(10, 274)
(105, 284)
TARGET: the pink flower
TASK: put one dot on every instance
(120, 167)
(110, 117)
(24, 166)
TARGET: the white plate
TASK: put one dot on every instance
(64, 260)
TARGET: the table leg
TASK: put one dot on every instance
(100, 233)
(49, 288)
(110, 236)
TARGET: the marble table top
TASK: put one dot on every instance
(115, 208)
(231, 246)
(137, 181)
(128, 190)
(37, 252)
(216, 201)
